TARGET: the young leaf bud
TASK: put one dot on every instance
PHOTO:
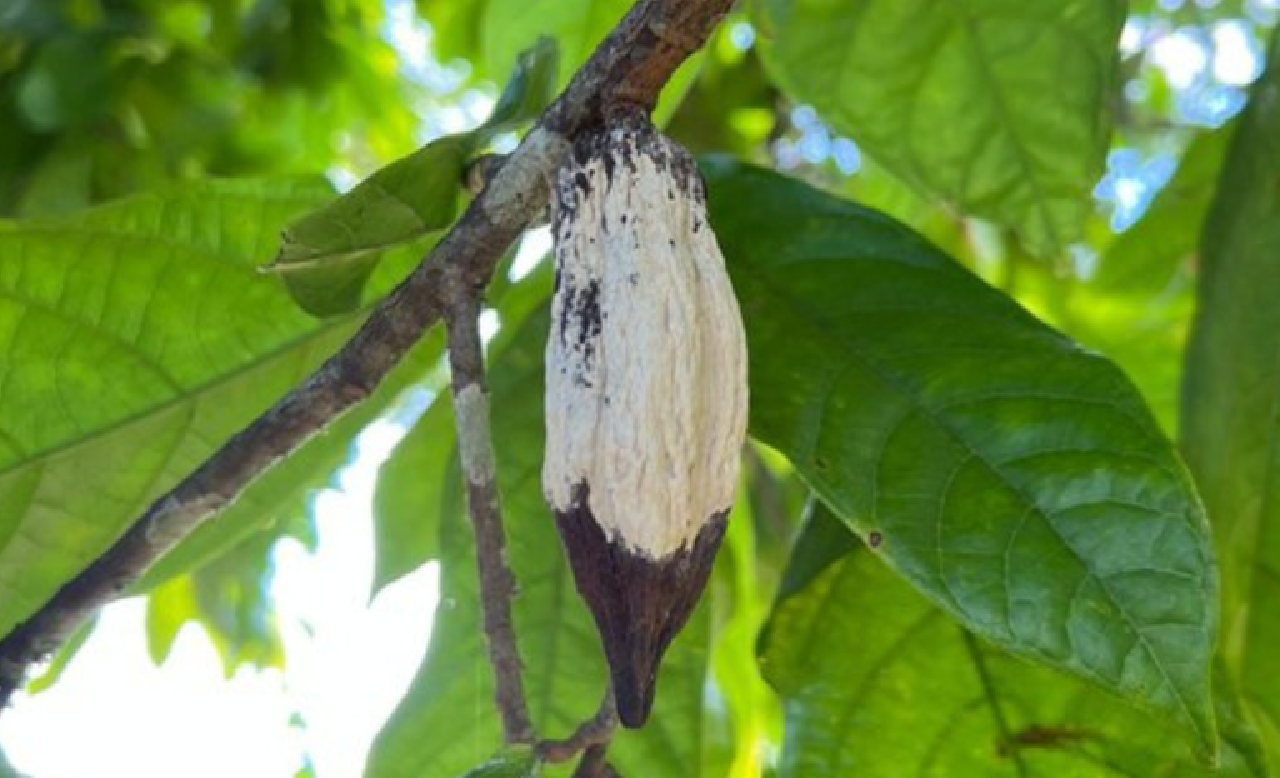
(646, 394)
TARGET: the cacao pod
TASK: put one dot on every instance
(646, 401)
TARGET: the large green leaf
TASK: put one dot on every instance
(880, 683)
(136, 339)
(999, 106)
(1012, 477)
(1231, 404)
(447, 723)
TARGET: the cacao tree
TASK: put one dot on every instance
(1004, 272)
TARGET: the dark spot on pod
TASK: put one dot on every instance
(582, 307)
(566, 310)
(582, 182)
(609, 165)
(875, 539)
(589, 308)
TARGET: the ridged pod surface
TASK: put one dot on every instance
(646, 394)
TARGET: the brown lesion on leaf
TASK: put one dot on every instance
(1047, 737)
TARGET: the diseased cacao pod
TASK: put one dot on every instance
(646, 394)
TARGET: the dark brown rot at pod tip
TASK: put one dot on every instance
(646, 394)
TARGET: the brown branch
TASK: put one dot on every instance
(593, 764)
(480, 470)
(594, 733)
(630, 66)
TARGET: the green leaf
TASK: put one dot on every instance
(326, 256)
(229, 599)
(137, 338)
(878, 682)
(823, 540)
(1015, 479)
(455, 27)
(409, 496)
(1158, 251)
(750, 709)
(998, 106)
(1231, 400)
(531, 88)
(511, 762)
(61, 185)
(446, 722)
(511, 26)
(68, 83)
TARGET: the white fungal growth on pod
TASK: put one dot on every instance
(646, 402)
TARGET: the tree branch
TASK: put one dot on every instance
(630, 66)
(593, 764)
(593, 734)
(480, 470)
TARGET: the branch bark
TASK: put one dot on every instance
(592, 736)
(593, 764)
(480, 470)
(630, 67)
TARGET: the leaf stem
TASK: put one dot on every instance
(591, 738)
(993, 698)
(593, 765)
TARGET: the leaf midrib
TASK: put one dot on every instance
(194, 393)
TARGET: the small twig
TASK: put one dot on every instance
(992, 696)
(593, 765)
(479, 468)
(594, 733)
(632, 65)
